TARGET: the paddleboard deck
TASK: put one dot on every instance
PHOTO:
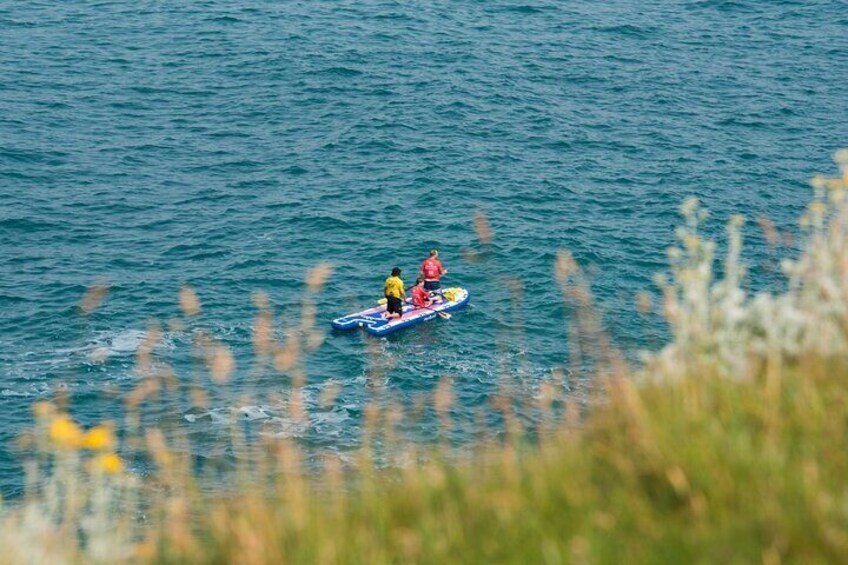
(375, 322)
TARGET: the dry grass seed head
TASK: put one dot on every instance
(221, 363)
(329, 394)
(136, 396)
(93, 297)
(261, 300)
(566, 267)
(482, 227)
(158, 447)
(189, 302)
(317, 277)
(168, 376)
(644, 303)
(175, 325)
(547, 395)
(372, 414)
(689, 206)
(769, 231)
(443, 396)
(307, 315)
(43, 409)
(285, 357)
(145, 350)
(314, 340)
(297, 406)
(199, 397)
(262, 340)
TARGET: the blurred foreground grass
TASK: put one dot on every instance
(728, 445)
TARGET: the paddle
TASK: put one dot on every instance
(444, 315)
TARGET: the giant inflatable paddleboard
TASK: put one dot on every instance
(375, 323)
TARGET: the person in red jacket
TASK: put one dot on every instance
(420, 296)
(432, 269)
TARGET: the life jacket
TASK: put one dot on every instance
(419, 296)
(432, 269)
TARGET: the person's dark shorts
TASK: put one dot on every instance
(432, 285)
(394, 305)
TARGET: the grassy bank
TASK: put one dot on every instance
(700, 469)
(727, 445)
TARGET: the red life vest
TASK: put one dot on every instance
(419, 296)
(432, 269)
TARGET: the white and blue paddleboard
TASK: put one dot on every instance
(375, 322)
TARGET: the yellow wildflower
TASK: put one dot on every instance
(108, 463)
(100, 437)
(65, 433)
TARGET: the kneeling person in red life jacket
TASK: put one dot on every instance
(420, 296)
(432, 269)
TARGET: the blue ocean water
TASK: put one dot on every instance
(234, 145)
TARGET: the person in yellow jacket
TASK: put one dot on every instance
(395, 294)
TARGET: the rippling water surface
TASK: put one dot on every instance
(233, 145)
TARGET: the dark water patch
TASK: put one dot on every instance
(224, 20)
(528, 9)
(242, 165)
(210, 195)
(729, 6)
(629, 31)
(342, 72)
(12, 155)
(229, 134)
(295, 170)
(25, 225)
(167, 93)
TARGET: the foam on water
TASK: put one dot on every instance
(319, 426)
(125, 342)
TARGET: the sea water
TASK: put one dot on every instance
(232, 146)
